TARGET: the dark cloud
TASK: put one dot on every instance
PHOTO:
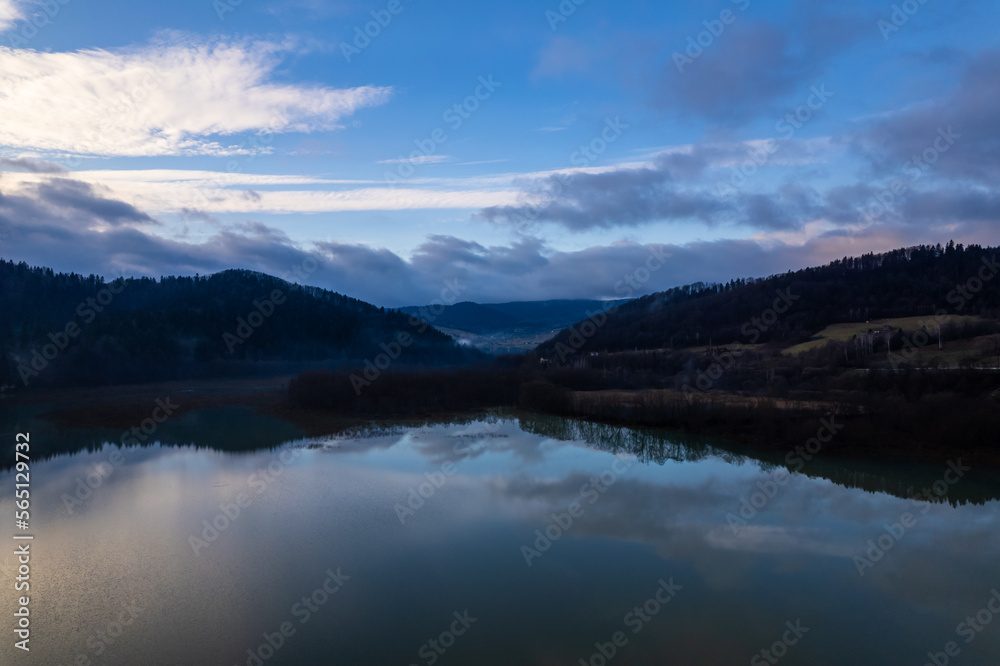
(742, 72)
(196, 215)
(938, 55)
(55, 226)
(31, 165)
(666, 192)
(958, 204)
(618, 198)
(77, 198)
(751, 66)
(970, 113)
(521, 257)
(736, 78)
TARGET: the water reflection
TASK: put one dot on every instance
(220, 550)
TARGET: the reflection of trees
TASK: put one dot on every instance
(648, 446)
(238, 430)
(657, 446)
(908, 483)
(230, 429)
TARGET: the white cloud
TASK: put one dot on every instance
(419, 159)
(162, 99)
(10, 11)
(171, 191)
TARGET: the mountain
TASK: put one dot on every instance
(795, 306)
(465, 316)
(507, 327)
(67, 329)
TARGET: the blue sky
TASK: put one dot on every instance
(526, 150)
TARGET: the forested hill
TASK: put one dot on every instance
(67, 329)
(792, 307)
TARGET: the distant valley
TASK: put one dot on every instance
(508, 328)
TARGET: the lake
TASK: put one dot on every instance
(506, 539)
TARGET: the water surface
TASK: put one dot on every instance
(497, 541)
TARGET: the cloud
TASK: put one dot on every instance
(563, 55)
(10, 12)
(71, 225)
(64, 203)
(174, 191)
(735, 79)
(162, 99)
(625, 197)
(747, 70)
(312, 9)
(673, 188)
(80, 197)
(963, 121)
(419, 159)
(663, 186)
(31, 165)
(193, 214)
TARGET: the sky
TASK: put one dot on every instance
(403, 151)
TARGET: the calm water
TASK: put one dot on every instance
(498, 541)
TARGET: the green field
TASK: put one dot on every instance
(844, 332)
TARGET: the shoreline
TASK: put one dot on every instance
(754, 423)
